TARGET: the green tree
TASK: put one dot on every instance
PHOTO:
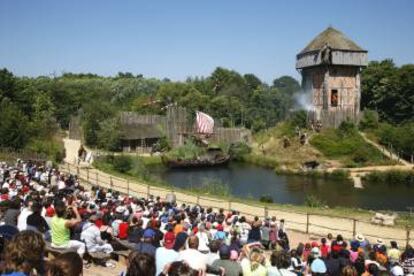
(14, 127)
(108, 135)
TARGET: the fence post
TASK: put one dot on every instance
(265, 212)
(97, 183)
(307, 223)
(77, 170)
(408, 236)
(229, 205)
(148, 191)
(354, 228)
(128, 187)
(68, 168)
(198, 199)
(87, 176)
(110, 182)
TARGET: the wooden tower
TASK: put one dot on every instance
(330, 66)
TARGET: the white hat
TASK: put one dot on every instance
(120, 209)
(359, 237)
(315, 252)
(397, 271)
(380, 241)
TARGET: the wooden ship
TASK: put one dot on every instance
(214, 156)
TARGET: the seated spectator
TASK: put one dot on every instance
(325, 249)
(360, 263)
(371, 270)
(12, 212)
(317, 266)
(203, 238)
(135, 230)
(164, 255)
(169, 237)
(298, 266)
(231, 268)
(140, 264)
(92, 237)
(179, 269)
(349, 270)
(61, 228)
(145, 246)
(37, 222)
(213, 254)
(192, 256)
(265, 234)
(394, 253)
(66, 264)
(24, 253)
(407, 259)
(280, 263)
(338, 244)
(253, 261)
(255, 233)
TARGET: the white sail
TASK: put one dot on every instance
(205, 123)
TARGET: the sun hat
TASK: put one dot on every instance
(359, 237)
(397, 271)
(380, 241)
(120, 209)
(316, 252)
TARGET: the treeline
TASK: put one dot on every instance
(388, 100)
(33, 110)
(44, 104)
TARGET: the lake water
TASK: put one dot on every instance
(249, 181)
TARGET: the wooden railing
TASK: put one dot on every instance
(310, 223)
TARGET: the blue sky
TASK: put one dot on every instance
(177, 39)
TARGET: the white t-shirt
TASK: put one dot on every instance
(61, 185)
(22, 219)
(194, 258)
(164, 256)
(202, 241)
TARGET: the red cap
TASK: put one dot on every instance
(50, 212)
(315, 244)
(220, 227)
(169, 240)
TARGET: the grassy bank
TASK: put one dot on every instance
(392, 178)
(347, 145)
(334, 175)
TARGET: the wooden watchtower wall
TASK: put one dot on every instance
(330, 66)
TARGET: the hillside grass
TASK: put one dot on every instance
(268, 149)
(348, 147)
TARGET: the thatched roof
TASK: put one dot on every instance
(334, 39)
(140, 131)
(136, 126)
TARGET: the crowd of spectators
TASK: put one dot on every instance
(41, 207)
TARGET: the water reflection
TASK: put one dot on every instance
(251, 181)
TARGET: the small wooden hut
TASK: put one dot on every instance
(140, 132)
(330, 66)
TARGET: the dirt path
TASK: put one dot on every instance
(386, 152)
(71, 147)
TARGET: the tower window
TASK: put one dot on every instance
(334, 98)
